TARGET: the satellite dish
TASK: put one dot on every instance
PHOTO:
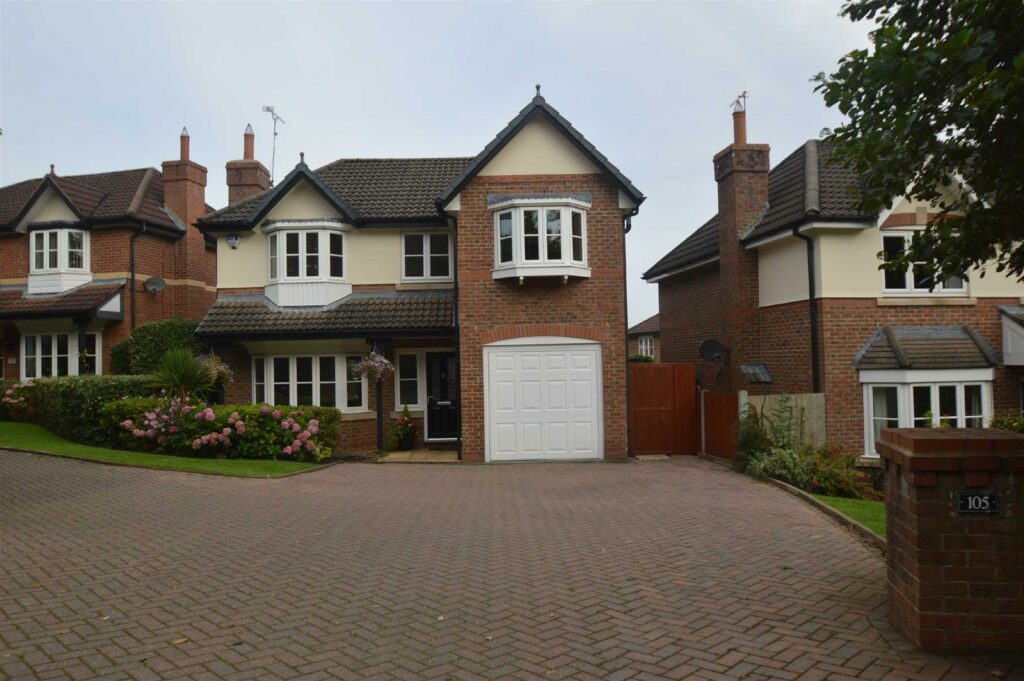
(711, 350)
(155, 285)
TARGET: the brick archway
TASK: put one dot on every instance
(527, 330)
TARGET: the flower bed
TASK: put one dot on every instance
(186, 428)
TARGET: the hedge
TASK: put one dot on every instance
(72, 406)
(243, 431)
(143, 350)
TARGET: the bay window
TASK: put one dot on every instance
(308, 380)
(944, 401)
(915, 279)
(426, 256)
(58, 250)
(59, 354)
(544, 238)
(304, 256)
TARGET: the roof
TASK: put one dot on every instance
(363, 189)
(649, 325)
(254, 316)
(83, 300)
(809, 184)
(1014, 312)
(538, 106)
(926, 347)
(102, 198)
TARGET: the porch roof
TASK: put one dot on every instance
(81, 301)
(361, 314)
(926, 347)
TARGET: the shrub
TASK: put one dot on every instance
(186, 428)
(1009, 422)
(72, 406)
(19, 401)
(180, 374)
(143, 351)
(641, 359)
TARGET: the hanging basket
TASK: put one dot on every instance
(375, 367)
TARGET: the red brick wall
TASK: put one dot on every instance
(595, 306)
(689, 305)
(847, 324)
(785, 332)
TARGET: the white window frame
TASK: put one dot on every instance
(73, 350)
(62, 249)
(905, 383)
(277, 254)
(908, 275)
(645, 345)
(427, 255)
(340, 380)
(421, 379)
(518, 208)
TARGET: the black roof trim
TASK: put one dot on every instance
(47, 182)
(538, 106)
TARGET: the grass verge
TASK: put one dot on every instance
(870, 514)
(33, 438)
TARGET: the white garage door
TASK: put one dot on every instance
(543, 400)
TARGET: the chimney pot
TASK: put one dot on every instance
(249, 144)
(739, 127)
(184, 139)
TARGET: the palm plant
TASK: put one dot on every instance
(181, 375)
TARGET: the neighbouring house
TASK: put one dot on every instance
(644, 339)
(494, 284)
(785, 280)
(85, 258)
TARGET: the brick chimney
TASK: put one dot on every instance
(185, 185)
(248, 176)
(741, 171)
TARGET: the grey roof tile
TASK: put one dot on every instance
(81, 300)
(925, 347)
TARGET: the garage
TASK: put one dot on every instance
(542, 397)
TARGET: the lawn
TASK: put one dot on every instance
(870, 514)
(34, 438)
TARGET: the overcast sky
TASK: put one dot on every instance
(94, 87)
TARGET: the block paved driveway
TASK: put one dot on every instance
(673, 569)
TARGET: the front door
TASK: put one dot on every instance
(442, 397)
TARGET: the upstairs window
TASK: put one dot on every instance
(539, 236)
(915, 279)
(301, 255)
(58, 250)
(427, 256)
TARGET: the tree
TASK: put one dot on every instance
(938, 106)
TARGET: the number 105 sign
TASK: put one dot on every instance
(979, 502)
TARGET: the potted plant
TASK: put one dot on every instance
(403, 435)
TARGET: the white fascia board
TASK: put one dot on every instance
(807, 228)
(554, 201)
(926, 375)
(691, 266)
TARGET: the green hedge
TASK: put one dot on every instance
(146, 347)
(72, 406)
(159, 425)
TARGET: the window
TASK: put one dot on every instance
(304, 256)
(645, 346)
(915, 279)
(56, 250)
(925, 405)
(59, 354)
(306, 380)
(539, 237)
(426, 256)
(408, 391)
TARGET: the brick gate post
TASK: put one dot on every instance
(955, 529)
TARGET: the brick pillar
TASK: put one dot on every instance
(741, 171)
(955, 577)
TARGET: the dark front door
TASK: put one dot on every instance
(442, 396)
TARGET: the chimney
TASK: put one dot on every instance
(248, 176)
(741, 171)
(185, 184)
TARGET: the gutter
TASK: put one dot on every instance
(454, 222)
(811, 207)
(143, 229)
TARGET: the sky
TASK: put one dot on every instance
(94, 87)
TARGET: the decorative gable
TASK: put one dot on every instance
(48, 206)
(539, 149)
(303, 202)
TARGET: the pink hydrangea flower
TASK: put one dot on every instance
(286, 450)
(186, 409)
(226, 431)
(172, 429)
(276, 414)
(264, 409)
(296, 427)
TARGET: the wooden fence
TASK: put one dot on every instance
(665, 417)
(720, 423)
(805, 413)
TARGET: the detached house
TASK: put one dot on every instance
(494, 284)
(85, 258)
(785, 278)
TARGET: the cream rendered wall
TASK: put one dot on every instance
(48, 207)
(782, 270)
(302, 202)
(539, 149)
(376, 256)
(245, 266)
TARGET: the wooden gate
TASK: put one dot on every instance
(721, 422)
(665, 415)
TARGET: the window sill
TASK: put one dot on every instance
(926, 301)
(424, 284)
(543, 270)
(358, 415)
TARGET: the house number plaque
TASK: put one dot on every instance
(979, 502)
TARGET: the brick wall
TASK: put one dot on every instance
(689, 305)
(592, 306)
(955, 580)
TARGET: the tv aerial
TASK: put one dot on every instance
(268, 108)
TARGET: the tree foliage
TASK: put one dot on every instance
(937, 105)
